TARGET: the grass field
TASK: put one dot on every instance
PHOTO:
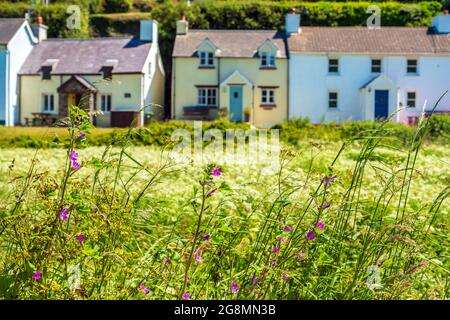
(141, 226)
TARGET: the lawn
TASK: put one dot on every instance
(139, 225)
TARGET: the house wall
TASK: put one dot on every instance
(31, 98)
(3, 87)
(310, 83)
(187, 75)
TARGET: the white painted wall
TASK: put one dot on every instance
(310, 83)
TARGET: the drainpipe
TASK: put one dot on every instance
(218, 83)
(7, 93)
(173, 113)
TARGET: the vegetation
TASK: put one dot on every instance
(360, 218)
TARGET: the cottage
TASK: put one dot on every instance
(119, 77)
(241, 72)
(16, 42)
(357, 73)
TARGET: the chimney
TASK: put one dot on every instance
(39, 29)
(441, 23)
(149, 31)
(292, 23)
(182, 26)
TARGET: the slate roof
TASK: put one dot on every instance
(8, 28)
(387, 40)
(88, 56)
(231, 43)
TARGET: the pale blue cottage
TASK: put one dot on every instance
(16, 42)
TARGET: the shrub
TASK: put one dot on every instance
(112, 6)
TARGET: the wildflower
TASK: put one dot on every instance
(144, 289)
(73, 156)
(310, 235)
(76, 165)
(273, 263)
(234, 287)
(208, 184)
(276, 250)
(320, 225)
(286, 277)
(216, 172)
(211, 192)
(326, 206)
(288, 228)
(328, 180)
(254, 279)
(37, 275)
(198, 257)
(81, 135)
(64, 214)
(207, 237)
(186, 295)
(80, 238)
(167, 260)
(282, 239)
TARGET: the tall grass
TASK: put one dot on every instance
(117, 238)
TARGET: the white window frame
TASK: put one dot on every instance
(267, 96)
(408, 99)
(206, 59)
(268, 60)
(48, 103)
(407, 67)
(372, 65)
(333, 65)
(207, 96)
(108, 100)
(336, 100)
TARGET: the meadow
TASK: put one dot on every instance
(359, 218)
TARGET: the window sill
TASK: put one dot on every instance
(206, 67)
(333, 74)
(267, 68)
(268, 106)
(411, 74)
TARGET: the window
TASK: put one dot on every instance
(411, 66)
(267, 60)
(332, 100)
(267, 96)
(376, 65)
(105, 103)
(206, 59)
(107, 72)
(127, 95)
(333, 65)
(207, 96)
(411, 99)
(46, 73)
(48, 103)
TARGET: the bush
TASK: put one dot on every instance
(112, 6)
(439, 126)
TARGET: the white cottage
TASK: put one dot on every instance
(355, 73)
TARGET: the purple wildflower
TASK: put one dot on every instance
(168, 261)
(207, 237)
(328, 180)
(276, 250)
(186, 295)
(254, 279)
(208, 184)
(286, 277)
(326, 206)
(211, 192)
(80, 238)
(73, 156)
(216, 172)
(320, 225)
(282, 239)
(81, 135)
(64, 214)
(198, 257)
(273, 263)
(310, 235)
(288, 229)
(234, 287)
(37, 275)
(144, 289)
(76, 165)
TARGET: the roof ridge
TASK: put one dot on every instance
(231, 30)
(88, 39)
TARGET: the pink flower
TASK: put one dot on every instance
(276, 250)
(273, 263)
(186, 295)
(282, 239)
(254, 279)
(234, 287)
(80, 238)
(37, 275)
(76, 165)
(320, 225)
(310, 235)
(144, 289)
(216, 172)
(288, 229)
(286, 277)
(198, 257)
(64, 214)
(73, 156)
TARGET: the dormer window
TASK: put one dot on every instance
(206, 59)
(46, 73)
(107, 73)
(267, 60)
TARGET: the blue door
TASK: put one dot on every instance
(381, 104)
(236, 103)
